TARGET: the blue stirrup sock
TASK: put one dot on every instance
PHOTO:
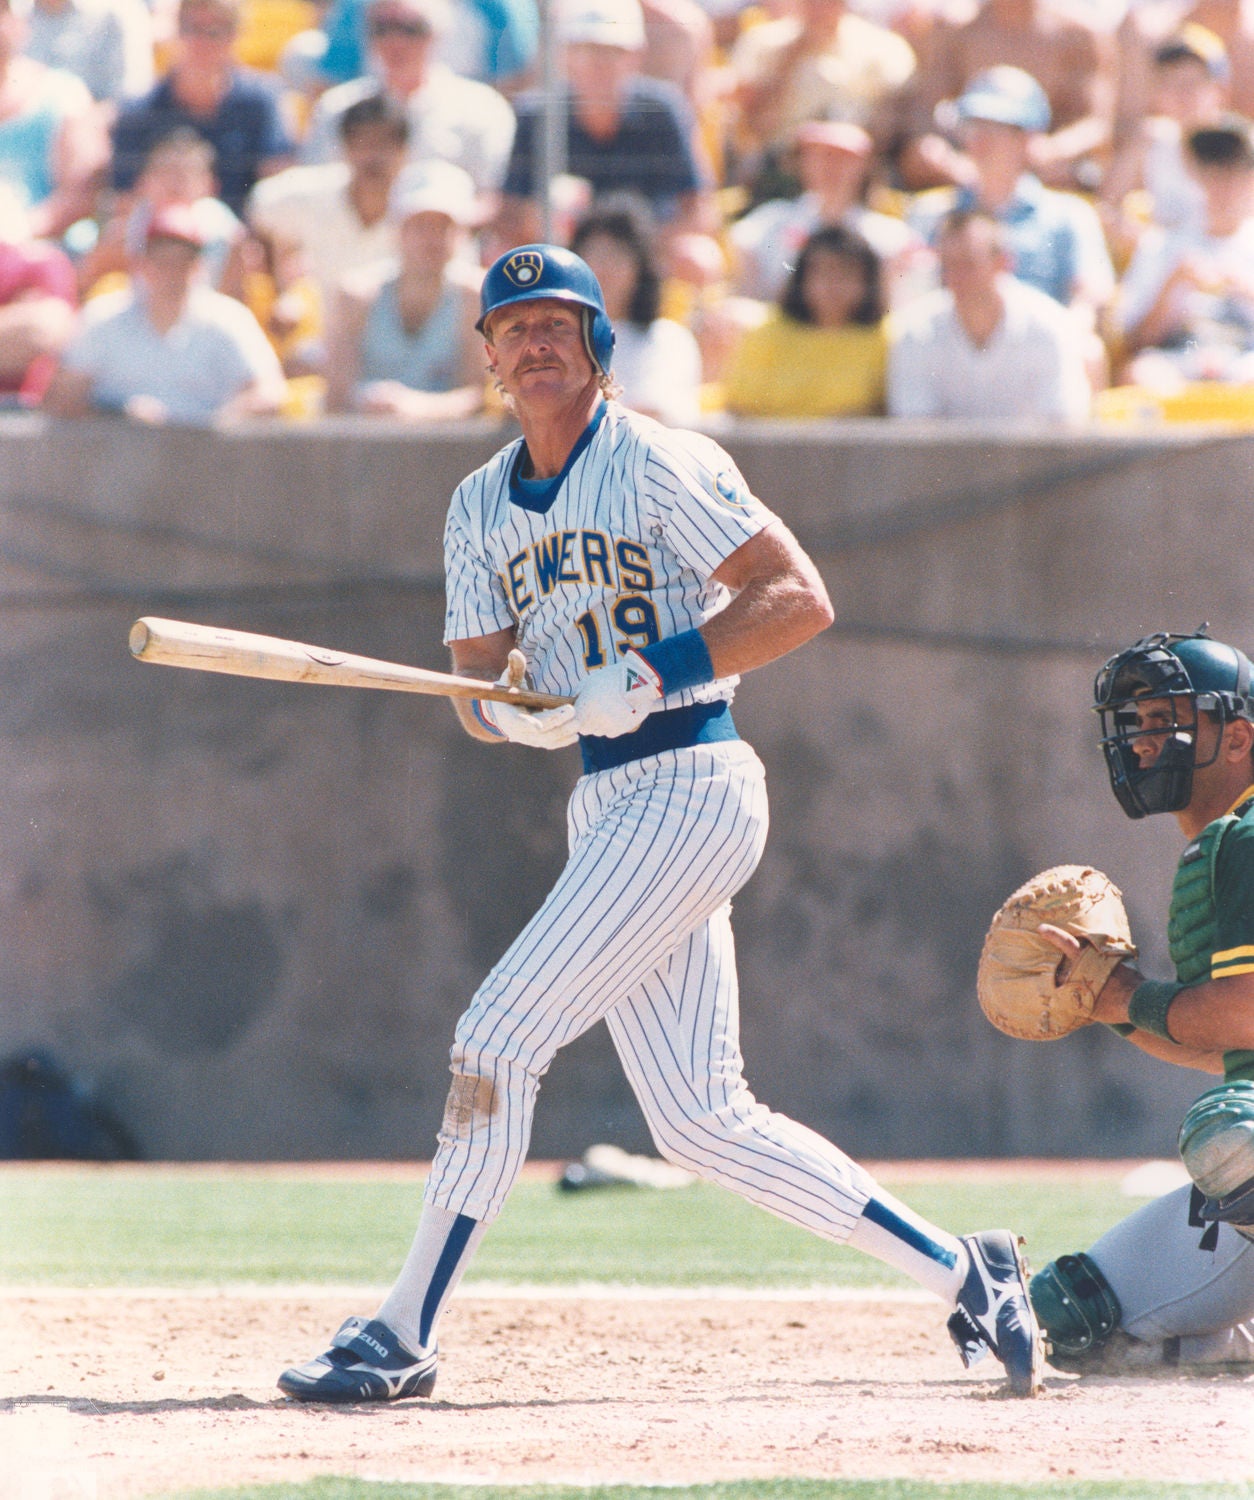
(441, 1251)
(899, 1237)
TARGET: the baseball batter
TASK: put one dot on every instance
(632, 568)
(1174, 1282)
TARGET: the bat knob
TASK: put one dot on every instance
(516, 665)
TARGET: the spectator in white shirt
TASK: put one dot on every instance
(1186, 307)
(168, 348)
(833, 158)
(985, 347)
(106, 43)
(450, 118)
(334, 216)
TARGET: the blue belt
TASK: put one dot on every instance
(671, 729)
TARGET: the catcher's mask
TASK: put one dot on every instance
(1211, 677)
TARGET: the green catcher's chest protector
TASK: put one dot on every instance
(1193, 920)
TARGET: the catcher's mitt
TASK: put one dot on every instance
(1017, 980)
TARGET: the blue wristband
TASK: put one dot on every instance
(681, 661)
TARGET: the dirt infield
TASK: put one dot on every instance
(121, 1394)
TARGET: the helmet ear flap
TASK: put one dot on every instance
(598, 338)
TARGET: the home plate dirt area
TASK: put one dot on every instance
(125, 1393)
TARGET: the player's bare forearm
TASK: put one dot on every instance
(1205, 1020)
(483, 656)
(780, 603)
(1172, 1052)
(1217, 1016)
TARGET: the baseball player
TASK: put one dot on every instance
(634, 570)
(1174, 1282)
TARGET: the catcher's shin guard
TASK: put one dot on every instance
(1076, 1307)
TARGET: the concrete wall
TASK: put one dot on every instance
(250, 913)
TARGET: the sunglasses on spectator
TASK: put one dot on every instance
(398, 26)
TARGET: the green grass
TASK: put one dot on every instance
(749, 1489)
(98, 1226)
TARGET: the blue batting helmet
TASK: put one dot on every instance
(535, 271)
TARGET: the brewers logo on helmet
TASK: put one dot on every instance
(533, 272)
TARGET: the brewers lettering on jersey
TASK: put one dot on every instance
(629, 566)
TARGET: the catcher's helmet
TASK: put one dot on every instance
(1211, 677)
(535, 271)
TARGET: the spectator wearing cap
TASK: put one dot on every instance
(451, 119)
(985, 347)
(235, 109)
(334, 217)
(1186, 306)
(821, 61)
(179, 170)
(1074, 63)
(1190, 89)
(822, 352)
(106, 43)
(53, 148)
(1055, 238)
(37, 300)
(401, 341)
(624, 133)
(833, 159)
(1147, 27)
(168, 349)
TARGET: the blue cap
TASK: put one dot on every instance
(1006, 96)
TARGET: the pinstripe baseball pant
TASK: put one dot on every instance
(637, 930)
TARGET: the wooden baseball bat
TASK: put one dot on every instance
(211, 648)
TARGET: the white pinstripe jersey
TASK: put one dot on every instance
(622, 556)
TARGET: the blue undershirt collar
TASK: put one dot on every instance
(538, 495)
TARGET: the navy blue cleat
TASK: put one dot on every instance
(366, 1362)
(994, 1311)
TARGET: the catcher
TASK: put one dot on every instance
(1173, 1283)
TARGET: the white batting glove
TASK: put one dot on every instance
(615, 700)
(542, 728)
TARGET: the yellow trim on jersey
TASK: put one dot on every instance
(1226, 955)
(1244, 797)
(1231, 961)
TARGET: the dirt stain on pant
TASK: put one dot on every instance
(471, 1098)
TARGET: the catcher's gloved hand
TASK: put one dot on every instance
(543, 728)
(615, 700)
(1026, 987)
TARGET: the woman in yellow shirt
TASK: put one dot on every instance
(823, 351)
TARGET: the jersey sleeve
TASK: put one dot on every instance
(475, 601)
(1234, 903)
(708, 507)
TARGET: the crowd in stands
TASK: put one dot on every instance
(1007, 210)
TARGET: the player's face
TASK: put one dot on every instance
(1157, 719)
(537, 351)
